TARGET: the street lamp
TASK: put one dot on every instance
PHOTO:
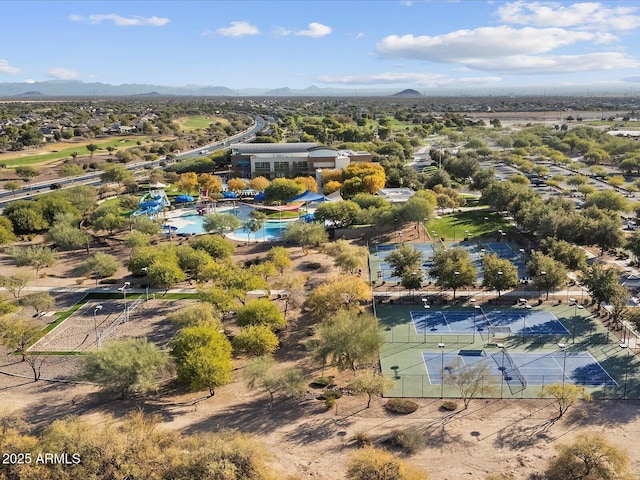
(524, 259)
(435, 235)
(500, 273)
(146, 285)
(575, 314)
(123, 289)
(501, 347)
(456, 275)
(563, 347)
(524, 320)
(624, 346)
(441, 347)
(95, 323)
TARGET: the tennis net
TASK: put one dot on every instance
(513, 370)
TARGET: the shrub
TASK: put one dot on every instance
(330, 402)
(322, 382)
(401, 406)
(361, 440)
(335, 394)
(109, 281)
(449, 406)
(410, 440)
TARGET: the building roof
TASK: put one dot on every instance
(396, 195)
(249, 148)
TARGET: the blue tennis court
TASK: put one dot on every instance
(522, 369)
(461, 322)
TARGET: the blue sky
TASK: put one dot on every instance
(420, 44)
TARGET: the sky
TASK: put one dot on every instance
(427, 45)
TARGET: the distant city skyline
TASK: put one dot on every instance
(425, 45)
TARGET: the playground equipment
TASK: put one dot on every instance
(152, 203)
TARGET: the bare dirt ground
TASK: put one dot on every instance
(306, 439)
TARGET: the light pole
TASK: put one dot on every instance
(456, 275)
(425, 303)
(95, 323)
(575, 314)
(501, 347)
(624, 346)
(146, 283)
(441, 347)
(435, 235)
(123, 288)
(500, 273)
(524, 321)
(524, 260)
(563, 347)
(455, 219)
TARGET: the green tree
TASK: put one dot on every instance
(499, 274)
(307, 235)
(279, 256)
(70, 170)
(203, 357)
(601, 282)
(117, 174)
(165, 274)
(263, 373)
(345, 292)
(341, 214)
(146, 225)
(589, 457)
(26, 173)
(370, 384)
(92, 147)
(220, 222)
(348, 340)
(125, 367)
(67, 235)
(39, 301)
(347, 257)
(100, 265)
(417, 209)
(470, 381)
(135, 240)
(572, 256)
(256, 340)
(453, 269)
(12, 186)
(619, 300)
(18, 334)
(548, 274)
(36, 256)
(261, 312)
(377, 464)
(565, 395)
(192, 261)
(16, 282)
(108, 218)
(282, 189)
(607, 200)
(199, 314)
(405, 258)
(216, 246)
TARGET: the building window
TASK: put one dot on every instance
(280, 166)
(262, 165)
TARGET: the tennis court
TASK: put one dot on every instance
(462, 322)
(521, 369)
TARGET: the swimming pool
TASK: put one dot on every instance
(192, 224)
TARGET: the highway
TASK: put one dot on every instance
(93, 178)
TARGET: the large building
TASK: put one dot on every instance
(289, 160)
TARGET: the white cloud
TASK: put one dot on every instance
(29, 80)
(487, 42)
(532, 65)
(238, 29)
(315, 30)
(586, 15)
(120, 21)
(63, 73)
(386, 78)
(6, 68)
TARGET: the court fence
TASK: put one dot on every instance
(496, 386)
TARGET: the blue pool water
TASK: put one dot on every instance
(271, 230)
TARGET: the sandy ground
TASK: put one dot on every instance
(307, 440)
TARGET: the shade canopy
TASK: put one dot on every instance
(309, 196)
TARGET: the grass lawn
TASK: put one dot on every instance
(199, 121)
(476, 222)
(58, 151)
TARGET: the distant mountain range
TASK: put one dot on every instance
(75, 88)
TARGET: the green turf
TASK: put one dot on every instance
(119, 142)
(476, 222)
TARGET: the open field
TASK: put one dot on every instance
(199, 121)
(476, 222)
(57, 151)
